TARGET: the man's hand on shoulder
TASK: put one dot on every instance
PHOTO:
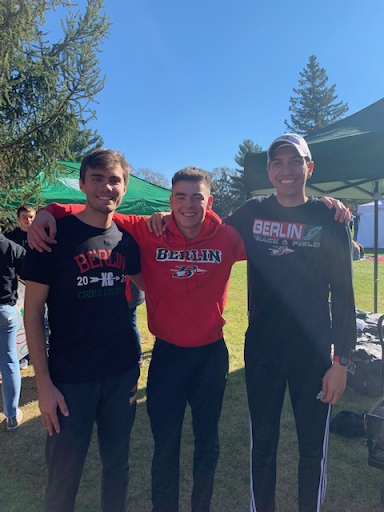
(342, 214)
(158, 222)
(37, 236)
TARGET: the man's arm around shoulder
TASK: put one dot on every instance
(50, 397)
(46, 217)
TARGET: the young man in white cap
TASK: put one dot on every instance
(299, 258)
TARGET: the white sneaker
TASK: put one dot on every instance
(23, 364)
(13, 423)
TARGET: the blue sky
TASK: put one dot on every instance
(188, 81)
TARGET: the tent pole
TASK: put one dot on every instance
(376, 242)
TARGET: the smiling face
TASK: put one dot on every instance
(189, 202)
(104, 189)
(288, 173)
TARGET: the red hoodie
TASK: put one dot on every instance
(186, 281)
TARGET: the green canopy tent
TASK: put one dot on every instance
(349, 163)
(141, 198)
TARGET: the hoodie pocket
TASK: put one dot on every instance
(188, 323)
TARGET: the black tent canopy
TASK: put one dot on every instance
(349, 163)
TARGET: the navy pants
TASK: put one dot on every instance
(268, 372)
(111, 403)
(178, 376)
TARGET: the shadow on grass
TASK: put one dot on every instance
(353, 486)
(23, 471)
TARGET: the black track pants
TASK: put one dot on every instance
(267, 376)
(176, 376)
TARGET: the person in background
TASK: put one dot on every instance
(356, 223)
(357, 251)
(11, 259)
(25, 216)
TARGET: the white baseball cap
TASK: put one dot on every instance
(290, 139)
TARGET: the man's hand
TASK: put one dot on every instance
(158, 222)
(37, 236)
(342, 214)
(50, 399)
(334, 383)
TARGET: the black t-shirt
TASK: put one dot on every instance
(19, 236)
(298, 258)
(11, 260)
(91, 336)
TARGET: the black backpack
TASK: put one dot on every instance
(364, 374)
(348, 424)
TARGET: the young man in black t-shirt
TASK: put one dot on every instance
(25, 216)
(299, 258)
(92, 369)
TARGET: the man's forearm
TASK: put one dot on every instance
(133, 224)
(62, 210)
(137, 279)
(35, 331)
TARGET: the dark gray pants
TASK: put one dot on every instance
(111, 403)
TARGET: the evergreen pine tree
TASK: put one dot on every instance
(314, 105)
(237, 181)
(46, 90)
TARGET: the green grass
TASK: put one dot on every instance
(364, 283)
(352, 485)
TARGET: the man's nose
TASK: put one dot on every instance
(189, 201)
(287, 166)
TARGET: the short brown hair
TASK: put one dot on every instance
(193, 174)
(25, 208)
(104, 158)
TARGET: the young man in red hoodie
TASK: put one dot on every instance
(186, 274)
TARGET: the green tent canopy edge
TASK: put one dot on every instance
(141, 198)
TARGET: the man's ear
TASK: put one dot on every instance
(311, 166)
(210, 203)
(81, 186)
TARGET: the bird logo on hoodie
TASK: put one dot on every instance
(186, 271)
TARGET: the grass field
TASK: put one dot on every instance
(353, 486)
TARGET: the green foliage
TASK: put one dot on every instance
(314, 105)
(81, 143)
(46, 88)
(237, 181)
(224, 201)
